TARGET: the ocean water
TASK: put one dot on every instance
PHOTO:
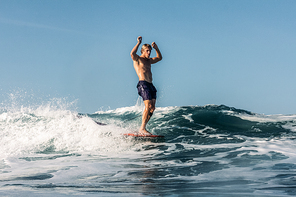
(210, 150)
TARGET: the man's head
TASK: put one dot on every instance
(146, 50)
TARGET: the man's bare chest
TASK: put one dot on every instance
(145, 64)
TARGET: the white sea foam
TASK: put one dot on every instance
(136, 108)
(48, 128)
(266, 118)
(188, 117)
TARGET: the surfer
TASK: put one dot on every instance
(146, 89)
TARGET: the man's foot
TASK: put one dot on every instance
(144, 132)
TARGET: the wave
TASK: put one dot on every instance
(208, 149)
(174, 121)
(50, 128)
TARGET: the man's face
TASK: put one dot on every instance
(146, 52)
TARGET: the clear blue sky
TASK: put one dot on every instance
(239, 53)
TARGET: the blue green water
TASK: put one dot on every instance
(207, 151)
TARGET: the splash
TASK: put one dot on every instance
(52, 127)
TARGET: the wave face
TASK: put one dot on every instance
(207, 150)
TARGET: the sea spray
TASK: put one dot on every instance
(52, 128)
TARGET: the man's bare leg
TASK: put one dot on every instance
(148, 111)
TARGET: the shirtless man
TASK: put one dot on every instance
(146, 90)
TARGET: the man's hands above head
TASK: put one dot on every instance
(154, 45)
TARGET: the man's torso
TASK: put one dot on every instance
(143, 69)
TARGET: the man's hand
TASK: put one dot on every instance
(154, 45)
(139, 39)
(158, 54)
(134, 55)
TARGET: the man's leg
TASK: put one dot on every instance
(148, 111)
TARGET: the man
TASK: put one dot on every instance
(146, 90)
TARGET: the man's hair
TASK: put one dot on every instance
(145, 46)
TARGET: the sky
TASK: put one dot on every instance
(239, 53)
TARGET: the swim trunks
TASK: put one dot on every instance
(146, 90)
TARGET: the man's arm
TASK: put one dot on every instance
(158, 54)
(134, 55)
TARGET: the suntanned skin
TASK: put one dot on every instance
(142, 65)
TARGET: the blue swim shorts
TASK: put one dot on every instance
(146, 90)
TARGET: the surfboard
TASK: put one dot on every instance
(141, 135)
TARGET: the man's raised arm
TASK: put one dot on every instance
(158, 54)
(134, 55)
